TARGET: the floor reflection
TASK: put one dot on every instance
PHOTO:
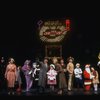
(34, 92)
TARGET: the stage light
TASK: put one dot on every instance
(68, 25)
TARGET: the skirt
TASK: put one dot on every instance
(51, 82)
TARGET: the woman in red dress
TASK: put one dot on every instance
(10, 75)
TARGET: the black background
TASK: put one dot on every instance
(19, 33)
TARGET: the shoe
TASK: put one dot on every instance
(60, 92)
(19, 90)
(69, 89)
(27, 90)
(13, 93)
(8, 93)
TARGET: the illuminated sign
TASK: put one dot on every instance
(54, 31)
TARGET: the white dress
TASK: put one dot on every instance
(51, 77)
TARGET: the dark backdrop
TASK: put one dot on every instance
(19, 34)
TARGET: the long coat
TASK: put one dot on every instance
(87, 79)
(42, 74)
(62, 78)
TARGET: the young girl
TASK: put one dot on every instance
(95, 80)
(51, 77)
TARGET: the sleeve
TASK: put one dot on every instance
(55, 73)
(97, 75)
(48, 73)
(75, 72)
(16, 72)
(24, 68)
(80, 71)
(67, 68)
(98, 63)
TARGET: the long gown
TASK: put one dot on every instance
(11, 74)
(26, 69)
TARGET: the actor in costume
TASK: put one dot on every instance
(95, 80)
(34, 70)
(98, 64)
(51, 77)
(19, 80)
(78, 76)
(35, 73)
(70, 70)
(2, 76)
(42, 75)
(57, 68)
(87, 77)
(26, 69)
(10, 75)
(62, 78)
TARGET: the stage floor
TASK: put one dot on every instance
(33, 92)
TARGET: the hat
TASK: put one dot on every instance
(70, 58)
(34, 65)
(11, 59)
(87, 65)
(52, 65)
(54, 59)
(27, 61)
(78, 64)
